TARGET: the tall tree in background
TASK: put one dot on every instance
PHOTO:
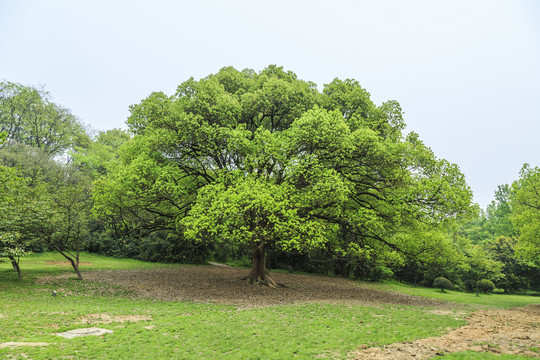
(101, 154)
(54, 210)
(525, 203)
(264, 159)
(28, 116)
(499, 213)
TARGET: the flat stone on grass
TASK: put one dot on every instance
(84, 332)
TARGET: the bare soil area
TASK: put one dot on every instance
(513, 331)
(65, 263)
(107, 319)
(223, 285)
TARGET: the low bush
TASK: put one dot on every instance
(443, 284)
(486, 286)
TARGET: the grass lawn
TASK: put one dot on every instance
(146, 329)
(499, 301)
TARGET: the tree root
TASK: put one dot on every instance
(265, 280)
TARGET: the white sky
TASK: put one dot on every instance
(466, 72)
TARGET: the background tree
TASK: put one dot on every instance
(28, 116)
(480, 266)
(525, 203)
(101, 154)
(516, 274)
(53, 210)
(499, 214)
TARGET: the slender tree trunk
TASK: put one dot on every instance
(16, 266)
(75, 265)
(74, 262)
(258, 274)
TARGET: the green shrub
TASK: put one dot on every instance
(486, 286)
(443, 283)
(498, 291)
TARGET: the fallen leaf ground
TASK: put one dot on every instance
(218, 284)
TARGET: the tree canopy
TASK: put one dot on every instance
(28, 116)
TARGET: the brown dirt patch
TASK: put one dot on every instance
(223, 285)
(45, 280)
(65, 263)
(513, 331)
(107, 319)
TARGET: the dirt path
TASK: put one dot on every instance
(513, 331)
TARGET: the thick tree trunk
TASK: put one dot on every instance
(16, 266)
(258, 274)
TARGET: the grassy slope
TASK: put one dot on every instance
(484, 301)
(184, 330)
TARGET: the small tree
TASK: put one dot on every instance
(479, 265)
(443, 283)
(12, 247)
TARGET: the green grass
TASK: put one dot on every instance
(38, 264)
(484, 301)
(186, 330)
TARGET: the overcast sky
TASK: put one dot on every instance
(466, 73)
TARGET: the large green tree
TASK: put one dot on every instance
(266, 160)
